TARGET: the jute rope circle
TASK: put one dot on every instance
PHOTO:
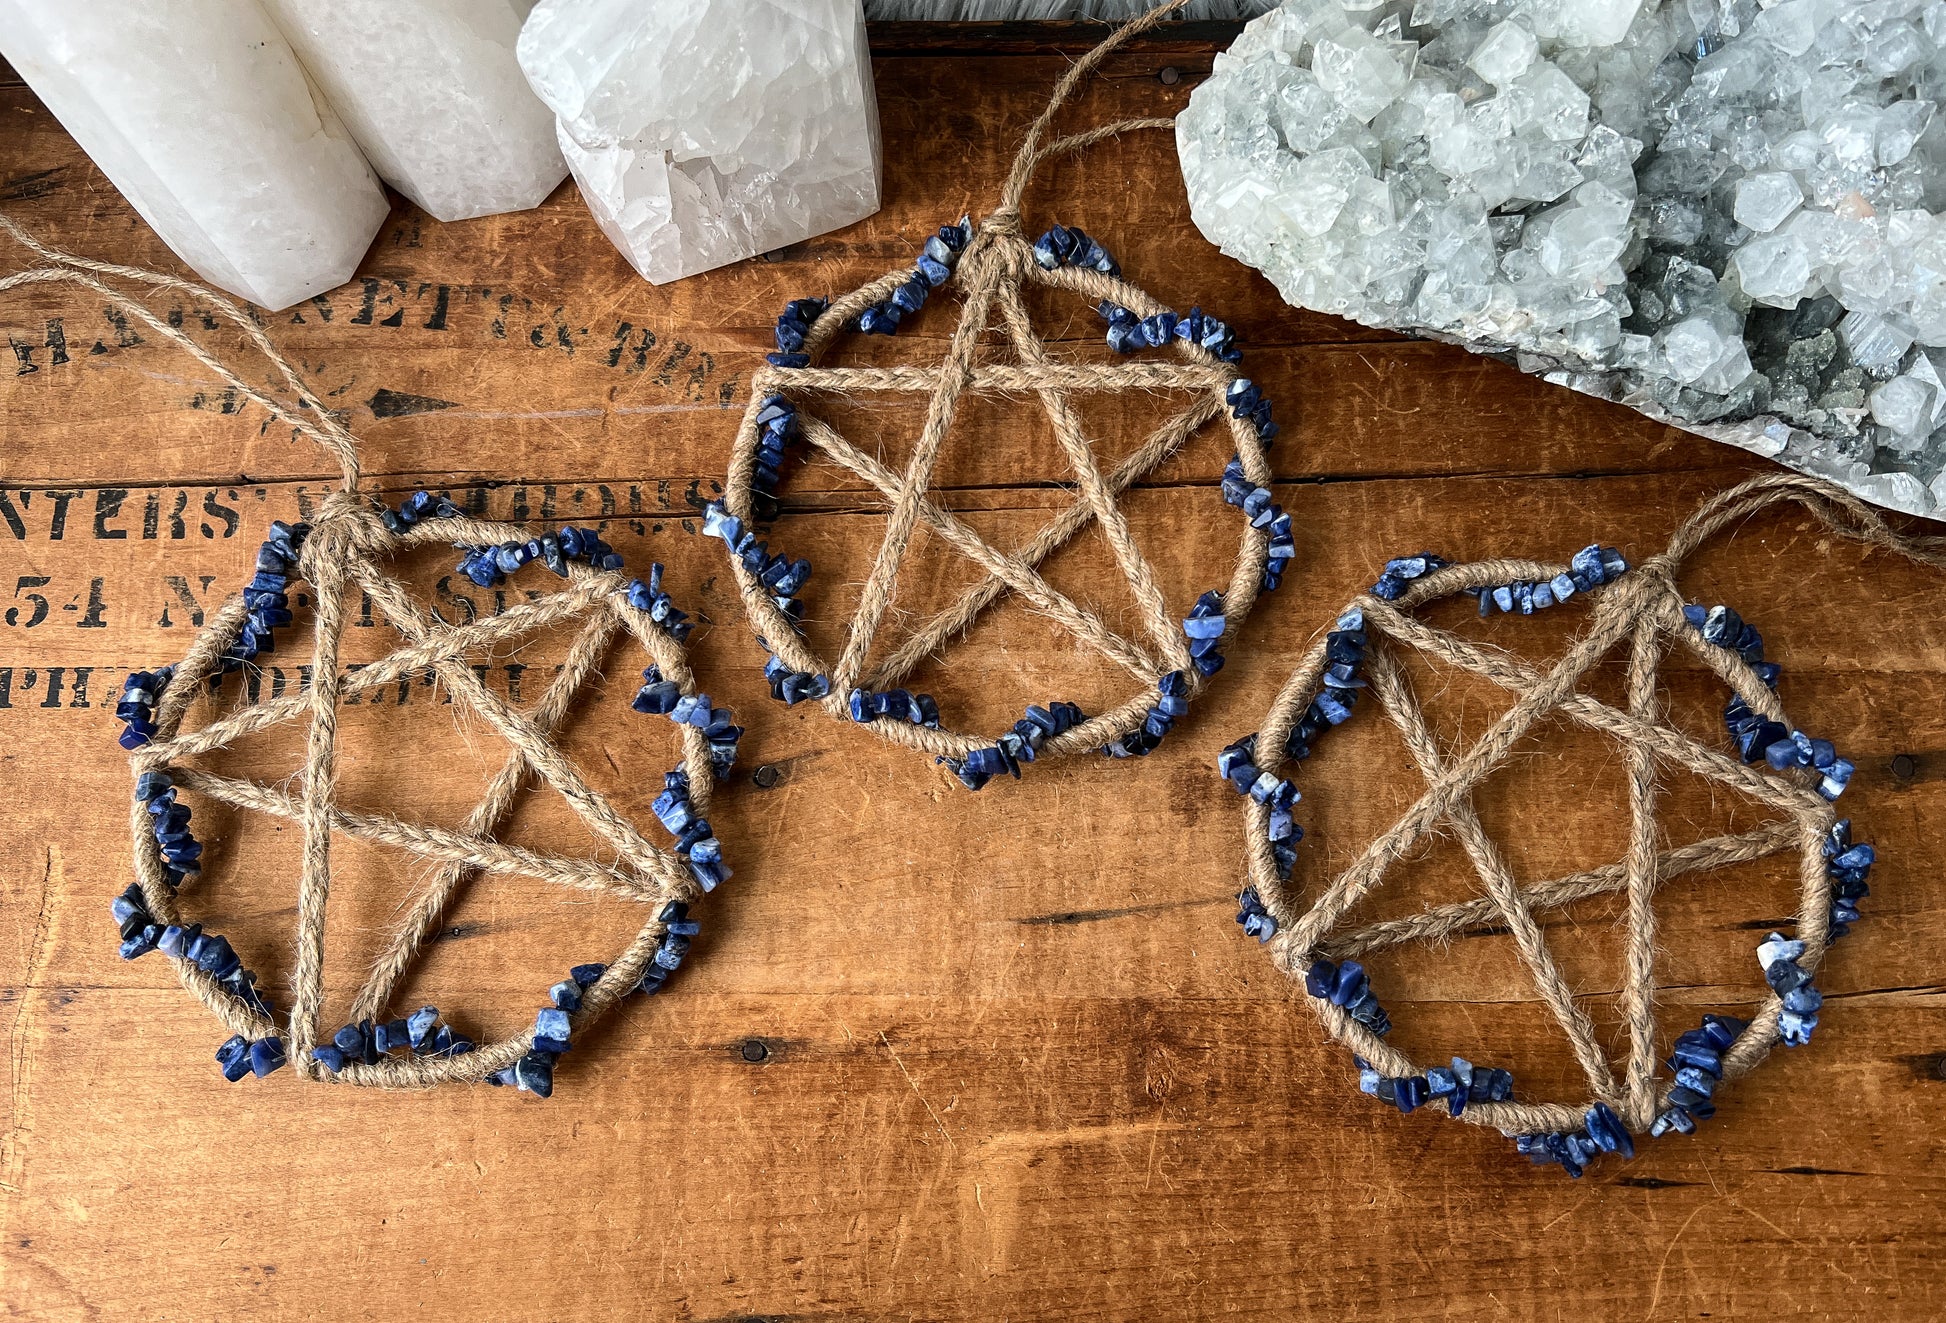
(1643, 610)
(989, 275)
(349, 539)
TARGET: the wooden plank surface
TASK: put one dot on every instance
(937, 1055)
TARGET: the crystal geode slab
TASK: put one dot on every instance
(703, 132)
(1721, 214)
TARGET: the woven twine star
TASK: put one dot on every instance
(990, 276)
(1643, 612)
(343, 554)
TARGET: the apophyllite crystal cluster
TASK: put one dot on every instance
(1721, 213)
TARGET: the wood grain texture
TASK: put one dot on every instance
(937, 1055)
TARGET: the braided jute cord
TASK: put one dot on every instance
(997, 261)
(344, 551)
(1644, 610)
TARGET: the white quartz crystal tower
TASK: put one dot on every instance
(200, 114)
(431, 91)
(706, 131)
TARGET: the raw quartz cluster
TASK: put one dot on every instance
(703, 132)
(1721, 213)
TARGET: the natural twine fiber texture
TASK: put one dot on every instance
(344, 552)
(989, 278)
(1644, 611)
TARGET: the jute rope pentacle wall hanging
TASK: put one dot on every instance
(988, 265)
(1638, 608)
(343, 549)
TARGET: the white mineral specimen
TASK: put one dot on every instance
(707, 131)
(199, 113)
(1723, 213)
(431, 91)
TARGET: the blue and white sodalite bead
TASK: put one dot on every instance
(894, 705)
(793, 324)
(1848, 865)
(420, 1034)
(1129, 334)
(1792, 982)
(663, 698)
(1589, 568)
(1458, 1085)
(1347, 986)
(1757, 737)
(933, 268)
(417, 508)
(182, 853)
(696, 841)
(489, 566)
(1337, 694)
(1402, 570)
(1020, 745)
(1698, 1062)
(1068, 245)
(141, 693)
(782, 577)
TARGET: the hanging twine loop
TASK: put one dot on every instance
(342, 550)
(989, 264)
(1643, 610)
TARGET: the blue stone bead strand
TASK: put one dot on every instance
(366, 1043)
(1697, 1060)
(182, 853)
(417, 508)
(1601, 1132)
(1848, 865)
(1130, 334)
(934, 267)
(1347, 986)
(1339, 683)
(1020, 745)
(489, 566)
(267, 596)
(1779, 956)
(894, 705)
(142, 932)
(1756, 736)
(783, 578)
(141, 695)
(1590, 568)
(664, 698)
(266, 599)
(1069, 245)
(696, 841)
(553, 1026)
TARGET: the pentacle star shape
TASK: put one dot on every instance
(341, 556)
(1643, 612)
(989, 265)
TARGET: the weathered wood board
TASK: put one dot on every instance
(937, 1055)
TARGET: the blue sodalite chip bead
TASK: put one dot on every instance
(489, 566)
(1348, 987)
(1020, 745)
(1590, 567)
(696, 842)
(1068, 246)
(1402, 570)
(1697, 1060)
(1848, 864)
(1257, 921)
(1779, 956)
